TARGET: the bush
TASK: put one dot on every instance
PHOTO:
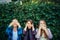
(36, 12)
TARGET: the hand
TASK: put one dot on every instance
(18, 24)
(33, 27)
(44, 28)
(10, 24)
(25, 27)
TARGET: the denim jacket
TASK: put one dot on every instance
(9, 32)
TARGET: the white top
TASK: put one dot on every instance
(15, 35)
(42, 37)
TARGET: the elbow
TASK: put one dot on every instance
(20, 32)
(50, 37)
(37, 36)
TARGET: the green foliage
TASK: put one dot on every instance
(36, 12)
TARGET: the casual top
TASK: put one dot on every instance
(29, 34)
(15, 35)
(11, 35)
(42, 37)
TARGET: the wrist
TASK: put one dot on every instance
(9, 26)
(24, 29)
(45, 29)
(33, 29)
(19, 26)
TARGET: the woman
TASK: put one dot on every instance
(14, 30)
(29, 31)
(43, 33)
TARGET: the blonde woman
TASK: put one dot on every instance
(14, 30)
(29, 31)
(43, 33)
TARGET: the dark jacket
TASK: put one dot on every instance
(29, 34)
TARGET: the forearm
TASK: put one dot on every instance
(34, 32)
(24, 32)
(20, 30)
(48, 33)
(38, 34)
(8, 30)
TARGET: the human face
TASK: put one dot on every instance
(42, 23)
(29, 25)
(15, 23)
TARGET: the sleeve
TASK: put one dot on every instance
(19, 30)
(50, 36)
(34, 32)
(24, 32)
(8, 30)
(37, 34)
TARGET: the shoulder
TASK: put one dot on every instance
(48, 29)
(9, 28)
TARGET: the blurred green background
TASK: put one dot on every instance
(36, 10)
